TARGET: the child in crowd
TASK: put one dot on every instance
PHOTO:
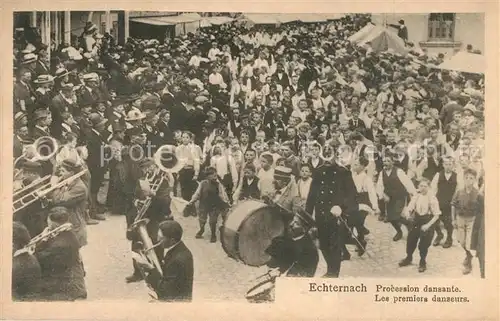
(266, 175)
(213, 201)
(249, 185)
(466, 204)
(422, 212)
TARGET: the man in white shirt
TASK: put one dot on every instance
(393, 187)
(213, 52)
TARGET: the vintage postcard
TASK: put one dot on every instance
(209, 161)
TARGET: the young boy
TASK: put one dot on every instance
(422, 211)
(466, 204)
(266, 175)
(213, 200)
(249, 186)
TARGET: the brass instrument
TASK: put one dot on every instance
(42, 191)
(43, 149)
(33, 186)
(42, 237)
(167, 163)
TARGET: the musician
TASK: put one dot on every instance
(26, 272)
(96, 162)
(285, 190)
(332, 197)
(175, 283)
(295, 252)
(73, 196)
(60, 262)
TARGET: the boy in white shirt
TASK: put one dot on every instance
(266, 175)
(422, 211)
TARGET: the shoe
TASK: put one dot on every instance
(438, 240)
(213, 239)
(199, 235)
(405, 262)
(397, 237)
(92, 222)
(134, 278)
(467, 265)
(362, 250)
(447, 243)
(422, 266)
(100, 217)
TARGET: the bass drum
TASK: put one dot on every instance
(249, 230)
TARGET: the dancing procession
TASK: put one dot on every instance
(298, 149)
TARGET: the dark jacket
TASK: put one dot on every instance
(301, 253)
(176, 284)
(62, 269)
(26, 275)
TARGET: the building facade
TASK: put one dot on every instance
(440, 32)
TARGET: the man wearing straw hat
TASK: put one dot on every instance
(43, 91)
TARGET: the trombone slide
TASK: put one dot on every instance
(148, 250)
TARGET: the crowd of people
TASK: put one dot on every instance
(294, 115)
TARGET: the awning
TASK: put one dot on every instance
(209, 21)
(465, 62)
(169, 20)
(362, 33)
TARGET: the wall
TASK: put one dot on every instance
(469, 28)
(79, 19)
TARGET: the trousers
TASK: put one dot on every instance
(416, 235)
(331, 237)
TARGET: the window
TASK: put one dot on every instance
(441, 27)
(114, 31)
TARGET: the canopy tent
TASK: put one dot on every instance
(279, 18)
(183, 23)
(210, 21)
(465, 62)
(383, 39)
(362, 33)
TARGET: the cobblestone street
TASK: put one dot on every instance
(218, 277)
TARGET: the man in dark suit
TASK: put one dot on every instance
(175, 282)
(26, 271)
(331, 198)
(62, 102)
(96, 161)
(402, 30)
(61, 263)
(90, 93)
(163, 126)
(280, 76)
(43, 119)
(356, 124)
(24, 94)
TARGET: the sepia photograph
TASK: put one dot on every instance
(164, 156)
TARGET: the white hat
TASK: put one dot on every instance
(91, 77)
(134, 115)
(43, 79)
(29, 58)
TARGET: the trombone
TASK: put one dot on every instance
(42, 191)
(42, 237)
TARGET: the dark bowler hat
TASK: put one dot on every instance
(31, 166)
(41, 113)
(305, 217)
(97, 119)
(71, 164)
